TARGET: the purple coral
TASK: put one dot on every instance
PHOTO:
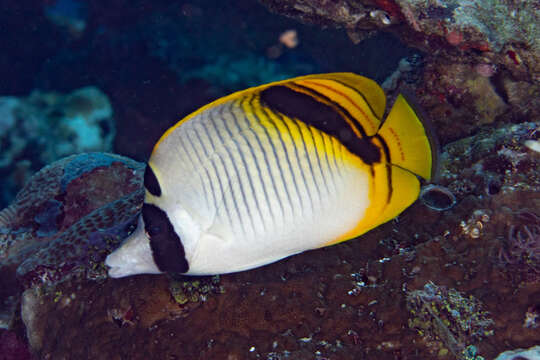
(522, 245)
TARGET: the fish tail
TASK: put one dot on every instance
(411, 144)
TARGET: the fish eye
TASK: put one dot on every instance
(153, 230)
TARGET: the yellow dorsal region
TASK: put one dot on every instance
(270, 122)
(350, 99)
(293, 132)
(369, 89)
(346, 118)
(372, 92)
(407, 140)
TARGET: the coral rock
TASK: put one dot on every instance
(70, 215)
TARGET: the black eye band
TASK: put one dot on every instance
(167, 248)
(151, 182)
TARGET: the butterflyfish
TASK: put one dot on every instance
(275, 170)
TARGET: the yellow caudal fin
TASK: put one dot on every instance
(412, 151)
(410, 143)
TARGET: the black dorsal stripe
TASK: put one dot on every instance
(338, 108)
(167, 249)
(151, 183)
(389, 167)
(362, 96)
(321, 116)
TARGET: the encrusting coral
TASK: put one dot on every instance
(69, 216)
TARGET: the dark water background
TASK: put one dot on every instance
(157, 61)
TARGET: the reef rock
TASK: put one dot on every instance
(482, 57)
(483, 25)
(69, 216)
(342, 302)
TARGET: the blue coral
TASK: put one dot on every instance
(84, 163)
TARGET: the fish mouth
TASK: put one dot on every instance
(133, 257)
(116, 270)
